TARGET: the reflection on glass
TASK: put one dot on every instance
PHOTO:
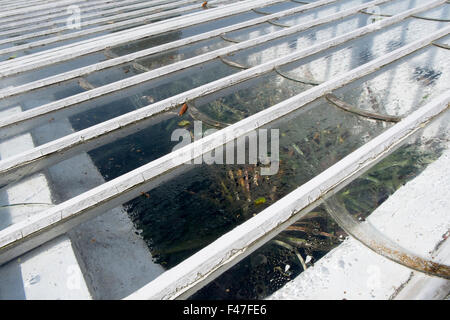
(188, 212)
(312, 236)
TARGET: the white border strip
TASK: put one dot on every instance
(222, 254)
(30, 233)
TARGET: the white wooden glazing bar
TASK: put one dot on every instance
(140, 12)
(40, 6)
(35, 159)
(135, 33)
(21, 121)
(49, 10)
(7, 5)
(36, 18)
(130, 57)
(28, 234)
(31, 26)
(205, 265)
(67, 52)
(10, 91)
(156, 12)
(19, 3)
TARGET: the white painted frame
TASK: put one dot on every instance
(207, 264)
(36, 18)
(67, 52)
(10, 91)
(28, 234)
(10, 125)
(31, 26)
(153, 13)
(33, 160)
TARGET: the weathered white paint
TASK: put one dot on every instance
(114, 260)
(161, 11)
(51, 272)
(84, 22)
(44, 272)
(67, 52)
(17, 4)
(139, 54)
(40, 6)
(34, 113)
(46, 14)
(238, 243)
(37, 17)
(92, 255)
(40, 157)
(415, 216)
(423, 287)
(23, 236)
(19, 122)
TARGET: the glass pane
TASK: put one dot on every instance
(35, 49)
(129, 47)
(315, 234)
(209, 200)
(279, 7)
(425, 73)
(278, 261)
(344, 57)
